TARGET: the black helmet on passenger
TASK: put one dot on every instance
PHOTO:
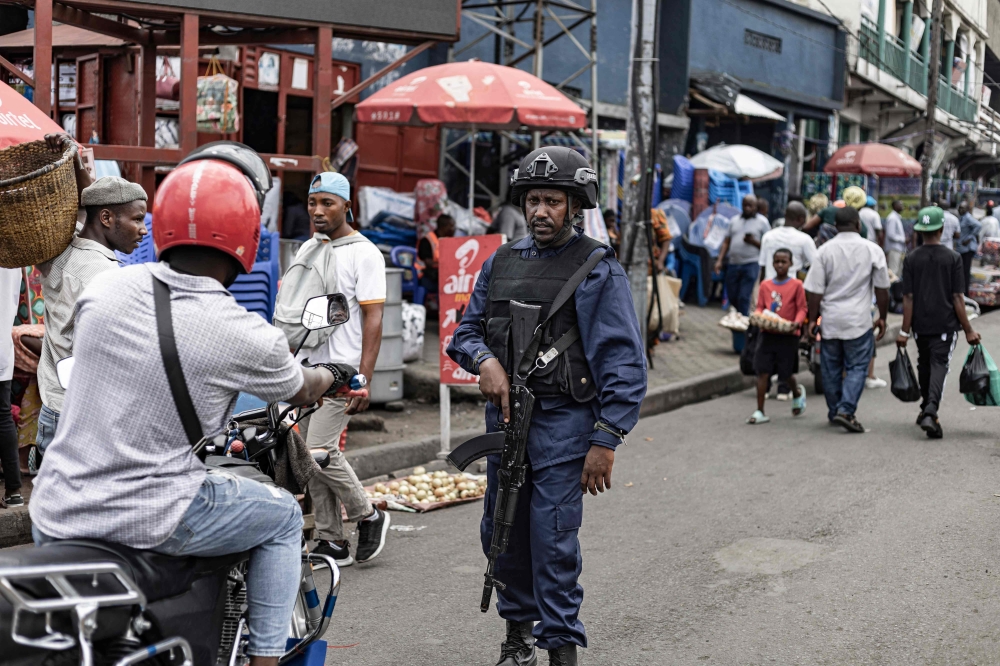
(555, 168)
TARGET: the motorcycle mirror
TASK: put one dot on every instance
(64, 369)
(325, 311)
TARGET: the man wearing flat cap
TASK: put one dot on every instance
(116, 212)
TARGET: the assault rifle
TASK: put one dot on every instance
(511, 443)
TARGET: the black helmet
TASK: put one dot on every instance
(242, 157)
(556, 168)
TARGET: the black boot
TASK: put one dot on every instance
(564, 655)
(519, 648)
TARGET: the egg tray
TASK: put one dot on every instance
(424, 507)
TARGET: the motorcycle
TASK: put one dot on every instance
(94, 603)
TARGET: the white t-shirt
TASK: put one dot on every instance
(951, 227)
(10, 288)
(361, 279)
(870, 218)
(801, 244)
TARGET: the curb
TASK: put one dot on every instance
(15, 527)
(380, 459)
(383, 459)
(373, 461)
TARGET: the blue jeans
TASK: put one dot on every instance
(740, 279)
(230, 515)
(48, 421)
(844, 364)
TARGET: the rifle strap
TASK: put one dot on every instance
(172, 362)
(528, 359)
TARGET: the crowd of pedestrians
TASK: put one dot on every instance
(828, 274)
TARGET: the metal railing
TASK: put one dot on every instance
(893, 61)
(918, 74)
(868, 42)
(955, 102)
(894, 57)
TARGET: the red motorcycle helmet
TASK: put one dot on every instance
(211, 203)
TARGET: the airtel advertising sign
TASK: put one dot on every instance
(461, 260)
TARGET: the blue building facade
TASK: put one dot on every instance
(788, 58)
(777, 49)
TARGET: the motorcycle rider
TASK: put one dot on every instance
(121, 468)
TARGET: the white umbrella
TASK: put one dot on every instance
(739, 161)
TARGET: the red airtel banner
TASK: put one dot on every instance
(459, 263)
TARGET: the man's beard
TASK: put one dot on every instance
(561, 236)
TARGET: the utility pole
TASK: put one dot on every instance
(638, 173)
(937, 14)
(536, 136)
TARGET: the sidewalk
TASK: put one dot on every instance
(703, 346)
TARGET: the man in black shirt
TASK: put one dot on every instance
(934, 309)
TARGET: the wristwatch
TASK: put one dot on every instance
(480, 357)
(904, 334)
(620, 434)
(341, 377)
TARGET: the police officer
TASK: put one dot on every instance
(587, 399)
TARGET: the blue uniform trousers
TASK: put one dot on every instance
(543, 561)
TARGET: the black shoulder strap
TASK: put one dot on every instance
(172, 362)
(570, 336)
(573, 282)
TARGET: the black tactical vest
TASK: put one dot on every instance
(536, 281)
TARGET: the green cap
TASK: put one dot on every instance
(929, 219)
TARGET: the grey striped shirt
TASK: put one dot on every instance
(120, 468)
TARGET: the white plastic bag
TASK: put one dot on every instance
(414, 322)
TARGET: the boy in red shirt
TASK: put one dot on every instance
(778, 353)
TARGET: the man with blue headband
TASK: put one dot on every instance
(337, 259)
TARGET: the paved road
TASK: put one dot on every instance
(786, 543)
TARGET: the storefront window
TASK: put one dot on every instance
(844, 135)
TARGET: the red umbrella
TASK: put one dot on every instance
(472, 94)
(873, 158)
(20, 120)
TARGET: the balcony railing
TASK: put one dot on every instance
(893, 61)
(955, 102)
(918, 75)
(894, 57)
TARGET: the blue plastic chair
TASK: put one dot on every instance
(145, 252)
(404, 256)
(257, 290)
(268, 248)
(690, 269)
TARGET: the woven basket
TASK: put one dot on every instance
(38, 203)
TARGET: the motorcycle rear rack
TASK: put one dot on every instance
(66, 597)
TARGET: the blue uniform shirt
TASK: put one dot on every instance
(968, 240)
(561, 428)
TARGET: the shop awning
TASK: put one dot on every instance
(747, 106)
(63, 36)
